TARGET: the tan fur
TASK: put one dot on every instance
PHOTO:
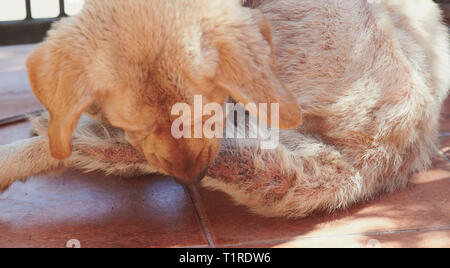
(132, 60)
(370, 78)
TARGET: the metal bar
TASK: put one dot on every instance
(28, 8)
(62, 10)
(12, 120)
(18, 118)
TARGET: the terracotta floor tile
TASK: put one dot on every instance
(99, 211)
(424, 204)
(15, 93)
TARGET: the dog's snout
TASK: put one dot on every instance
(185, 160)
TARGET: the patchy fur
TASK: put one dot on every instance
(371, 80)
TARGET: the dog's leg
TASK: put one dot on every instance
(99, 147)
(118, 159)
(282, 182)
(95, 148)
(25, 158)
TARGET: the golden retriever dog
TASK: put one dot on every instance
(370, 78)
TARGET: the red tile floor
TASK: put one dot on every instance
(153, 211)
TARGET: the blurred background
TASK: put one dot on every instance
(27, 21)
(16, 9)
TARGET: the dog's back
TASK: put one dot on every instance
(371, 78)
(367, 75)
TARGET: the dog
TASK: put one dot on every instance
(360, 86)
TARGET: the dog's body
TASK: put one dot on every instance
(371, 83)
(371, 80)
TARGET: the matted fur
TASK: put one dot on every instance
(371, 80)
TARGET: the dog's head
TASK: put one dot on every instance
(134, 60)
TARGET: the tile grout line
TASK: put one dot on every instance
(285, 240)
(201, 215)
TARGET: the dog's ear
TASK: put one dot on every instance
(57, 81)
(248, 68)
